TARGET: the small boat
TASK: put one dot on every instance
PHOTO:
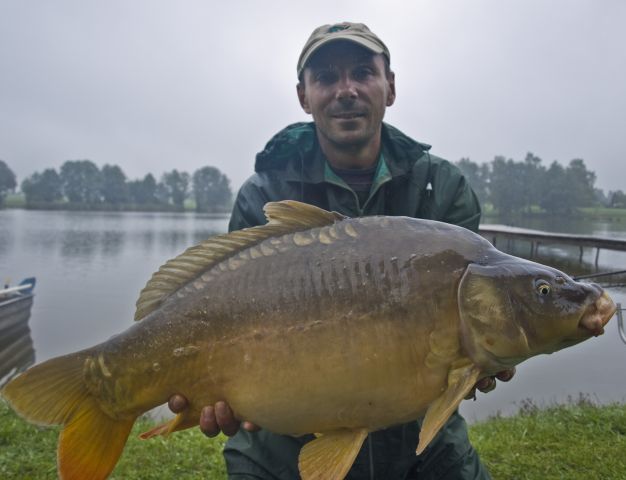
(16, 344)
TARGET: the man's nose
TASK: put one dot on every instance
(346, 89)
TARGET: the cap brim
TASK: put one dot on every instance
(364, 42)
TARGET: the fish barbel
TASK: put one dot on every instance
(312, 323)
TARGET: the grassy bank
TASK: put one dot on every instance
(565, 442)
(19, 201)
(28, 452)
(577, 442)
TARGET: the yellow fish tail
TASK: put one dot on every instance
(54, 393)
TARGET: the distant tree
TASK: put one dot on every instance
(506, 185)
(617, 199)
(176, 185)
(601, 197)
(143, 192)
(113, 185)
(581, 183)
(43, 187)
(211, 189)
(531, 180)
(7, 181)
(81, 181)
(556, 197)
(477, 176)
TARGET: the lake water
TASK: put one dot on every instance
(90, 267)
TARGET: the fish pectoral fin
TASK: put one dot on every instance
(180, 422)
(460, 382)
(330, 455)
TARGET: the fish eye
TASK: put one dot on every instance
(543, 288)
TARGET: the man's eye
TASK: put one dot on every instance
(325, 77)
(362, 73)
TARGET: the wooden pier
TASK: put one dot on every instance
(495, 233)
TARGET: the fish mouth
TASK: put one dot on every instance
(597, 315)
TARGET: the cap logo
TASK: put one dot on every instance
(338, 28)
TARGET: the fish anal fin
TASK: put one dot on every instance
(330, 456)
(460, 382)
(179, 422)
(91, 443)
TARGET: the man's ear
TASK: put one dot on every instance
(302, 97)
(391, 92)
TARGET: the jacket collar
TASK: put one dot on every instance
(295, 150)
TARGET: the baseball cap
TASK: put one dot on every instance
(353, 32)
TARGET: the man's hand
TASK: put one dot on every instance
(487, 384)
(213, 418)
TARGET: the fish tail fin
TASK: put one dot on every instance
(54, 393)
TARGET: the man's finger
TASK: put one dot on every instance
(208, 422)
(505, 375)
(177, 403)
(250, 427)
(226, 419)
(486, 384)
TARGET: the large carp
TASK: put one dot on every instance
(313, 323)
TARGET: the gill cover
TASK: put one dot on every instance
(491, 333)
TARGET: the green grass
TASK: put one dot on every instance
(573, 442)
(14, 200)
(29, 452)
(615, 214)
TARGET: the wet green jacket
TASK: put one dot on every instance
(410, 182)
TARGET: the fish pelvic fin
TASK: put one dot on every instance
(330, 456)
(181, 421)
(54, 393)
(461, 380)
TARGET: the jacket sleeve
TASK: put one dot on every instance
(455, 200)
(248, 207)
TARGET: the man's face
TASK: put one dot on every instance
(346, 90)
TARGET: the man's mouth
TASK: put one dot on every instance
(348, 115)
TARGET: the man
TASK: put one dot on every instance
(349, 161)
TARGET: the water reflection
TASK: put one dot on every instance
(16, 344)
(81, 237)
(16, 356)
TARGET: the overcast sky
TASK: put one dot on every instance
(156, 85)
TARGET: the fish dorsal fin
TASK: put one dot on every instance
(330, 456)
(283, 217)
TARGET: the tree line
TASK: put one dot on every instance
(81, 184)
(509, 186)
(528, 185)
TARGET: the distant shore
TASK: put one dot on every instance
(489, 214)
(18, 201)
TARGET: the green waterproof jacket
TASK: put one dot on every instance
(409, 181)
